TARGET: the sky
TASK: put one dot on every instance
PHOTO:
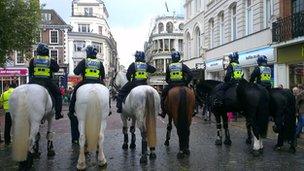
(130, 20)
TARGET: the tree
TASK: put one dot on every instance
(19, 26)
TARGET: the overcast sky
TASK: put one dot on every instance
(129, 20)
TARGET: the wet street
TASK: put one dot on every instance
(204, 154)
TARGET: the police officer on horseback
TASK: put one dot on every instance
(262, 73)
(234, 73)
(177, 74)
(41, 69)
(92, 71)
(137, 74)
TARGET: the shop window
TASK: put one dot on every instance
(296, 74)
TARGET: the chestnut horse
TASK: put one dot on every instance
(180, 104)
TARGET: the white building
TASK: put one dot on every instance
(90, 27)
(242, 26)
(166, 36)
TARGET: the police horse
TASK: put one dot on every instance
(92, 109)
(141, 106)
(250, 99)
(30, 104)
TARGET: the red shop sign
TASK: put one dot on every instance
(10, 72)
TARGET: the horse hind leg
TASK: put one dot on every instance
(218, 140)
(126, 138)
(249, 133)
(168, 135)
(144, 144)
(132, 131)
(81, 164)
(227, 134)
(102, 162)
(36, 153)
(256, 151)
(50, 146)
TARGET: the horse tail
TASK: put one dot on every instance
(262, 115)
(182, 119)
(93, 121)
(150, 119)
(21, 127)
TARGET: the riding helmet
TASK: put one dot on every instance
(175, 56)
(140, 56)
(234, 56)
(91, 52)
(262, 59)
(42, 49)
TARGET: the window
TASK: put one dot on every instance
(297, 6)
(79, 45)
(46, 17)
(159, 65)
(166, 44)
(54, 54)
(197, 42)
(98, 46)
(180, 45)
(221, 27)
(249, 17)
(198, 5)
(211, 27)
(233, 22)
(161, 45)
(172, 44)
(88, 11)
(54, 37)
(84, 28)
(169, 27)
(268, 12)
(188, 38)
(20, 57)
(100, 30)
(160, 27)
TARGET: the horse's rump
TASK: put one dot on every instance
(180, 104)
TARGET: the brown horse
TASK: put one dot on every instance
(180, 104)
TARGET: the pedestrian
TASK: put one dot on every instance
(41, 69)
(137, 74)
(4, 101)
(299, 94)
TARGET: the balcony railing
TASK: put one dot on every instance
(288, 28)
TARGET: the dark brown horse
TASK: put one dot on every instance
(180, 104)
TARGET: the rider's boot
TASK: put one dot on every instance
(58, 107)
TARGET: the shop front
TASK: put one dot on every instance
(215, 70)
(248, 60)
(291, 65)
(13, 75)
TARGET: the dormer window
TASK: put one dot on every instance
(46, 17)
(88, 11)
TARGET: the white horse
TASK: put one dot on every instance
(29, 105)
(141, 105)
(92, 109)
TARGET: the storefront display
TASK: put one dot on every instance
(13, 75)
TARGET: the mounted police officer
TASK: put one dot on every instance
(177, 74)
(234, 73)
(137, 74)
(41, 69)
(262, 73)
(92, 71)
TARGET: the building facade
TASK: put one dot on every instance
(90, 27)
(288, 40)
(54, 33)
(166, 36)
(242, 26)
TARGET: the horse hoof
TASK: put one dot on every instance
(152, 156)
(125, 146)
(81, 166)
(180, 155)
(102, 164)
(143, 160)
(255, 153)
(132, 146)
(186, 152)
(248, 141)
(277, 148)
(218, 142)
(292, 150)
(227, 142)
(51, 153)
(166, 143)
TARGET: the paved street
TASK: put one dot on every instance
(204, 154)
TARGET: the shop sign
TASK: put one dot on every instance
(291, 54)
(213, 66)
(10, 72)
(250, 58)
